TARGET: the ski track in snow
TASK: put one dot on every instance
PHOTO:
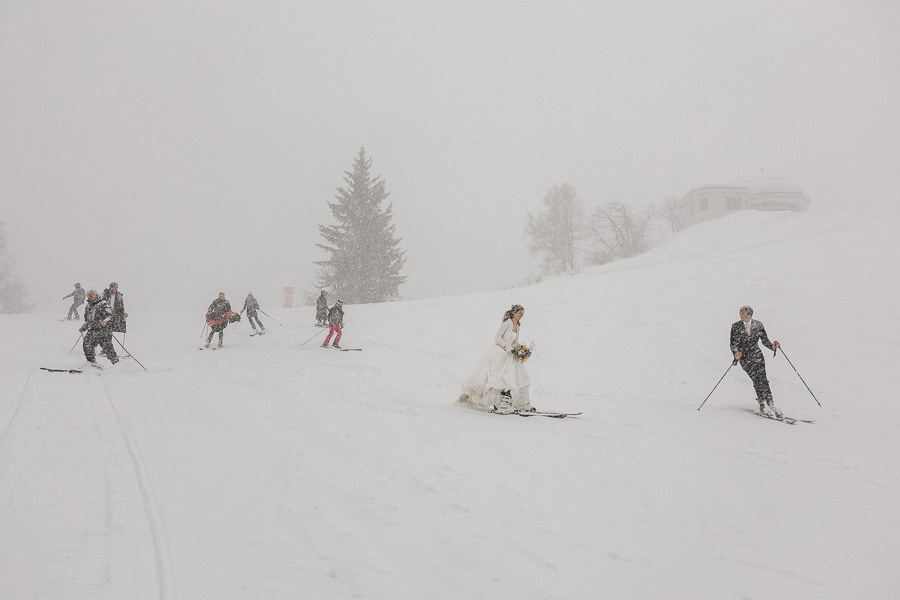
(116, 548)
(19, 401)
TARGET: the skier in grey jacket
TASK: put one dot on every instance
(251, 306)
(77, 297)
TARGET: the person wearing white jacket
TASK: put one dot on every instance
(499, 382)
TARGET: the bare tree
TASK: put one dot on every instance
(672, 212)
(12, 291)
(619, 231)
(557, 232)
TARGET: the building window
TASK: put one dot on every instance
(733, 203)
(704, 203)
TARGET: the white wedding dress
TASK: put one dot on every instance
(498, 371)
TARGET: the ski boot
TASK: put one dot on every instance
(505, 406)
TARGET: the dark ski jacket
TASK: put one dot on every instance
(250, 304)
(77, 295)
(96, 311)
(219, 315)
(336, 315)
(748, 345)
(117, 304)
(322, 307)
(218, 307)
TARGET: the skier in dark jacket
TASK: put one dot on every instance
(97, 317)
(745, 337)
(117, 304)
(322, 309)
(251, 306)
(218, 315)
(77, 297)
(336, 319)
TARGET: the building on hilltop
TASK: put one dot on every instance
(765, 193)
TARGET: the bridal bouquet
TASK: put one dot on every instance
(521, 353)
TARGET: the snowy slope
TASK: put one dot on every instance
(267, 470)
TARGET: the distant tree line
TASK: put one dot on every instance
(12, 290)
(364, 261)
(566, 238)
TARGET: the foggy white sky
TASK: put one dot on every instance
(183, 148)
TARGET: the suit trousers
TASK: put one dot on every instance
(755, 367)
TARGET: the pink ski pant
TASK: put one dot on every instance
(331, 332)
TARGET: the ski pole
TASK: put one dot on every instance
(128, 353)
(76, 341)
(310, 339)
(800, 376)
(203, 331)
(734, 362)
(271, 317)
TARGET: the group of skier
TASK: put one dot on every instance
(333, 318)
(219, 315)
(103, 315)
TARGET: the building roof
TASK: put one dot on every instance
(777, 185)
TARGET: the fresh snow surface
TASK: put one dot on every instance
(270, 470)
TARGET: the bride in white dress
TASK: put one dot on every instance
(499, 382)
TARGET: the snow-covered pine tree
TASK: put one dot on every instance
(364, 256)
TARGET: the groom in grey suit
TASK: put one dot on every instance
(745, 337)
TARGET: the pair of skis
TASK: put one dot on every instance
(537, 413)
(783, 419)
(93, 365)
